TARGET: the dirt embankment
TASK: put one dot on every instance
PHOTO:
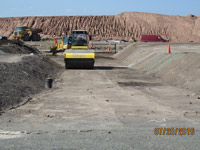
(19, 80)
(23, 72)
(16, 47)
(180, 68)
(123, 26)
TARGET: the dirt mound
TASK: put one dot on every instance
(174, 28)
(19, 80)
(16, 47)
(129, 25)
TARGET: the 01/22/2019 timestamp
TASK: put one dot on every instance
(174, 131)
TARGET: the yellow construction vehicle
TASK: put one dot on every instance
(27, 34)
(61, 46)
(79, 56)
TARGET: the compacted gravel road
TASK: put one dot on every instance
(109, 108)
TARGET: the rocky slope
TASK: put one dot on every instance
(123, 26)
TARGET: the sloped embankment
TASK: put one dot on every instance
(22, 79)
(16, 47)
(22, 74)
(180, 68)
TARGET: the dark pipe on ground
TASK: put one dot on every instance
(48, 83)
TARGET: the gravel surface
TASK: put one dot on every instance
(108, 108)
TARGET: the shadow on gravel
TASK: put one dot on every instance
(108, 68)
(138, 84)
(104, 57)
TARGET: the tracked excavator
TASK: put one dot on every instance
(79, 56)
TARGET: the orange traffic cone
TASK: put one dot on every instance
(169, 49)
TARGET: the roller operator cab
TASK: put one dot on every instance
(79, 56)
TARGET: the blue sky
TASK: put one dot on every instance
(13, 8)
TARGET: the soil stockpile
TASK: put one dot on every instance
(22, 72)
(123, 26)
(16, 47)
(19, 80)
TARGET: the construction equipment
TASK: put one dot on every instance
(3, 38)
(27, 34)
(60, 47)
(79, 56)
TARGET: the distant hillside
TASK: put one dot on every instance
(123, 26)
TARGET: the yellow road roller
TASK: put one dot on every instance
(79, 56)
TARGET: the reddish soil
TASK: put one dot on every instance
(123, 26)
